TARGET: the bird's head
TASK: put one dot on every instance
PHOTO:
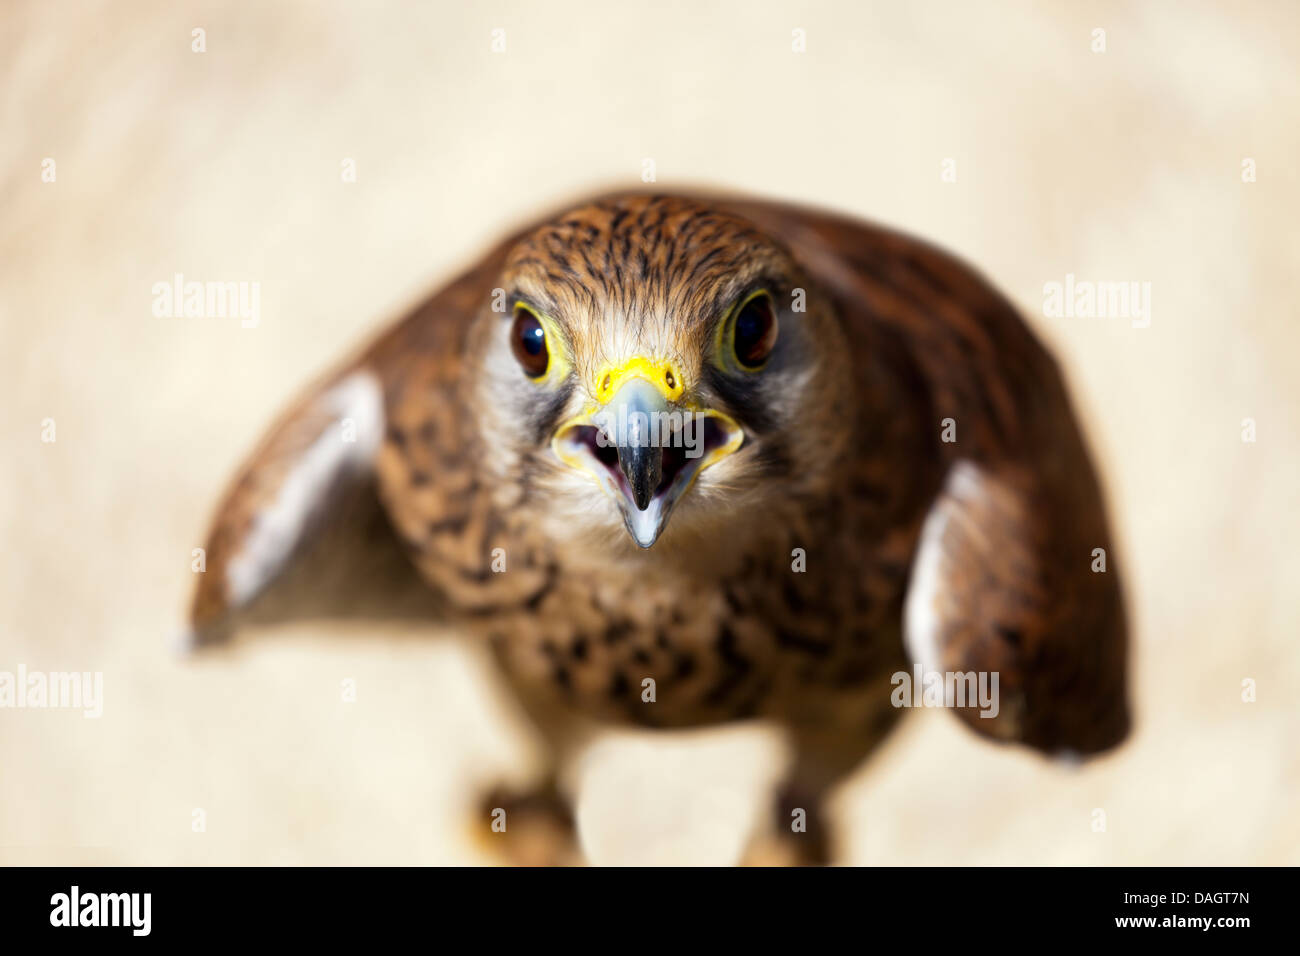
(656, 358)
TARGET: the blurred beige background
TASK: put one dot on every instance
(225, 165)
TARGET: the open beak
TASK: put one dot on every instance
(644, 449)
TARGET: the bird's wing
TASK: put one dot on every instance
(1005, 582)
(301, 531)
(1015, 572)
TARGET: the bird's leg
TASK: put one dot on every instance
(534, 826)
(800, 831)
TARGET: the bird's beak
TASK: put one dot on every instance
(640, 452)
(643, 446)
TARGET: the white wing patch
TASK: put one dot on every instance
(920, 616)
(347, 445)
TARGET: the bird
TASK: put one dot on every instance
(686, 460)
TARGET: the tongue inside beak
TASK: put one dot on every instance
(644, 453)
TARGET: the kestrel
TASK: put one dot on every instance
(682, 461)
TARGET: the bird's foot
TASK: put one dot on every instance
(786, 849)
(530, 828)
(798, 835)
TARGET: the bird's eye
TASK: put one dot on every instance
(528, 342)
(755, 331)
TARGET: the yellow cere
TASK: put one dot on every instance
(661, 374)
